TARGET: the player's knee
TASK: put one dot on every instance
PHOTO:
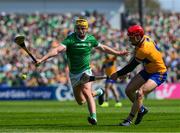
(87, 93)
(81, 102)
(139, 95)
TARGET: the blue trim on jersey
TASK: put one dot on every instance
(159, 78)
(157, 48)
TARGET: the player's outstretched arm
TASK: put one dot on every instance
(109, 50)
(53, 52)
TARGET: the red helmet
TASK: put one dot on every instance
(135, 30)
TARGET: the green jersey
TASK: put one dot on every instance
(79, 52)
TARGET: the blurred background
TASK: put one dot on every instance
(46, 23)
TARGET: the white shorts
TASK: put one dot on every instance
(75, 78)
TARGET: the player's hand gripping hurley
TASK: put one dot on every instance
(19, 40)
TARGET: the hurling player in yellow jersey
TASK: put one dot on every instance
(153, 74)
(78, 47)
(109, 67)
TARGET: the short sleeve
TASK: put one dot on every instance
(94, 42)
(66, 41)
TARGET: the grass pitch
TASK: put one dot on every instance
(67, 116)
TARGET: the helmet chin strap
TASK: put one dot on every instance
(138, 39)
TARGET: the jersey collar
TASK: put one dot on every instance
(82, 39)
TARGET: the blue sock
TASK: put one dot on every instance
(141, 109)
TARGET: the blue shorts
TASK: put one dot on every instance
(159, 78)
(110, 81)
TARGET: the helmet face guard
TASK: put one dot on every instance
(81, 27)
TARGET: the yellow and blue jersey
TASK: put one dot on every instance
(109, 65)
(150, 55)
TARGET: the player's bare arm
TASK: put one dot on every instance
(53, 52)
(109, 50)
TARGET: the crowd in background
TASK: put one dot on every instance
(44, 31)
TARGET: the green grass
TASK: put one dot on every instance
(67, 116)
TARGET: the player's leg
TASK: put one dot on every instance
(78, 95)
(87, 91)
(154, 80)
(131, 89)
(145, 89)
(107, 86)
(106, 97)
(82, 94)
(77, 88)
(116, 95)
(134, 85)
(98, 92)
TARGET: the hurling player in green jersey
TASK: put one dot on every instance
(78, 46)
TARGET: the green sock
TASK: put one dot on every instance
(93, 115)
(99, 92)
